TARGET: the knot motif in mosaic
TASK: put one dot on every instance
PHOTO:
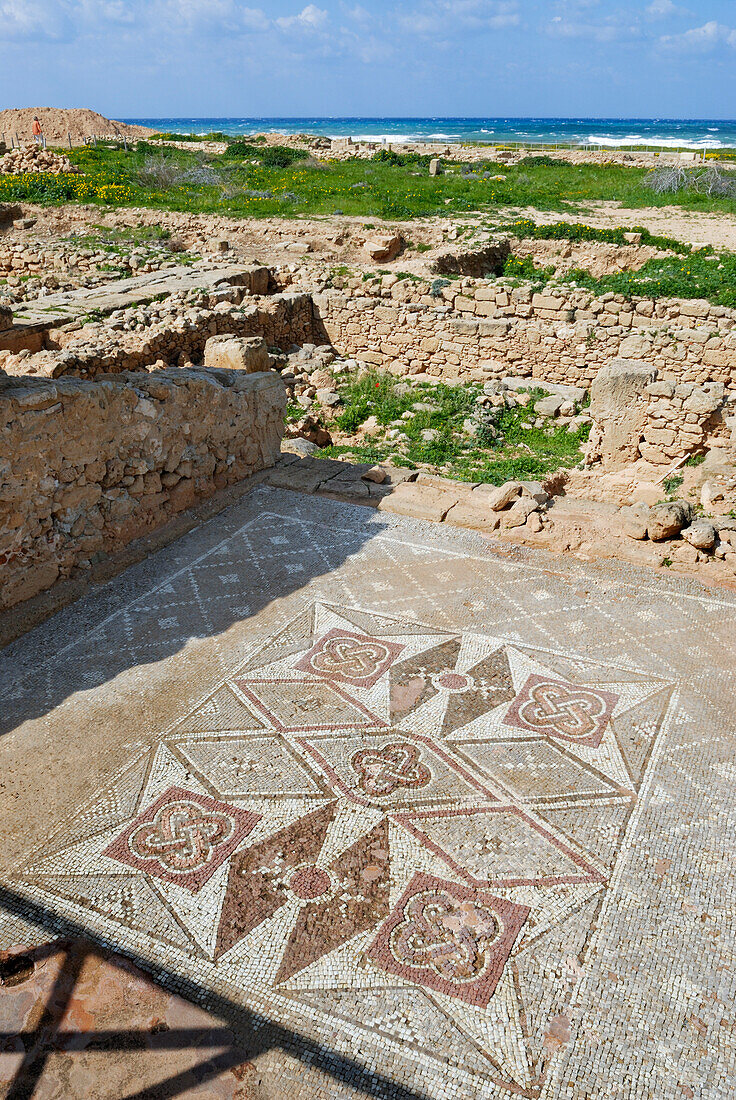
(182, 837)
(451, 937)
(381, 771)
(388, 826)
(354, 659)
(566, 710)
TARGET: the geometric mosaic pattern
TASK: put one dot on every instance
(369, 812)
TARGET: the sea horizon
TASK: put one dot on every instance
(607, 132)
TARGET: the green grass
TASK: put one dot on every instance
(579, 231)
(378, 188)
(518, 452)
(702, 274)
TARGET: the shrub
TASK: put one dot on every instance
(707, 180)
(578, 231)
(401, 160)
(271, 156)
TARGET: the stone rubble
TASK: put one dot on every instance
(33, 158)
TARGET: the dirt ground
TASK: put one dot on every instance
(58, 123)
(343, 240)
(693, 227)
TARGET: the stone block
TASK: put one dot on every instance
(618, 405)
(248, 354)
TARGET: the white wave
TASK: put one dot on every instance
(399, 139)
(659, 142)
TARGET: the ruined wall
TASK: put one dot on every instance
(556, 336)
(99, 349)
(637, 415)
(85, 467)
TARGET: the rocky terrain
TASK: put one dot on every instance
(59, 124)
(419, 378)
(32, 158)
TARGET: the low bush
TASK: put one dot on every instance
(703, 180)
(578, 231)
(270, 156)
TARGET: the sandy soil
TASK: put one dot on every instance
(57, 123)
(690, 226)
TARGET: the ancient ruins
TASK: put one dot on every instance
(367, 593)
(132, 390)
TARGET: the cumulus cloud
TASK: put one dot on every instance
(701, 39)
(31, 19)
(310, 18)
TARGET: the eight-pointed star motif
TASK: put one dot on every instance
(336, 901)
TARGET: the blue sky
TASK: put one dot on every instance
(593, 58)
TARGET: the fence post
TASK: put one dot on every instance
(69, 138)
(125, 143)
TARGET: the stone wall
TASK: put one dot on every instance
(637, 414)
(559, 336)
(86, 467)
(98, 349)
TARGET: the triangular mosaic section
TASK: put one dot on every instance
(292, 639)
(129, 900)
(223, 712)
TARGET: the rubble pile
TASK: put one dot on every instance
(32, 158)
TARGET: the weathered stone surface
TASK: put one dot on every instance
(384, 249)
(497, 497)
(700, 534)
(376, 474)
(549, 406)
(519, 512)
(471, 514)
(249, 354)
(666, 520)
(421, 501)
(98, 464)
(634, 521)
(618, 406)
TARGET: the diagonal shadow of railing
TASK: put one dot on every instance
(246, 1036)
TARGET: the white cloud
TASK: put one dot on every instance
(31, 19)
(663, 9)
(701, 39)
(606, 31)
(447, 16)
(310, 18)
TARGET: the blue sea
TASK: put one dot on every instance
(664, 133)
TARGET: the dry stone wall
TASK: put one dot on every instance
(98, 349)
(86, 467)
(558, 336)
(637, 414)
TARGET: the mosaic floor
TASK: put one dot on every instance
(459, 818)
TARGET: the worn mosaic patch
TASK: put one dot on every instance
(393, 832)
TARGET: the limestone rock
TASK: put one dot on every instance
(519, 512)
(668, 519)
(249, 354)
(635, 521)
(549, 406)
(328, 397)
(376, 474)
(496, 498)
(700, 534)
(299, 446)
(384, 249)
(619, 409)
